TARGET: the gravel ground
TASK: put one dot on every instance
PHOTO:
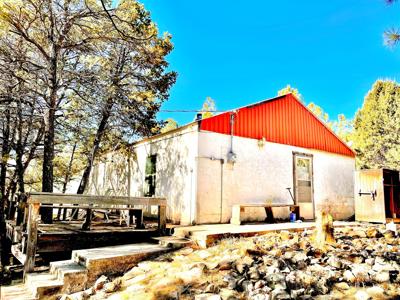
(364, 263)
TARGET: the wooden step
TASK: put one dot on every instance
(16, 292)
(73, 275)
(44, 285)
(115, 259)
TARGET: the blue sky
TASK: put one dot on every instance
(240, 52)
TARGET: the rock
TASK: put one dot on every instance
(279, 294)
(321, 286)
(224, 265)
(240, 267)
(334, 262)
(370, 261)
(376, 292)
(381, 277)
(212, 288)
(247, 286)
(253, 273)
(203, 254)
(259, 284)
(306, 279)
(372, 232)
(114, 286)
(342, 286)
(304, 244)
(232, 284)
(349, 276)
(190, 276)
(247, 260)
(184, 251)
(361, 295)
(227, 294)
(357, 234)
(295, 294)
(389, 234)
(274, 279)
(285, 235)
(207, 297)
(243, 264)
(355, 259)
(360, 272)
(100, 282)
(260, 297)
(299, 256)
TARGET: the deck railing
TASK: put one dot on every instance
(34, 201)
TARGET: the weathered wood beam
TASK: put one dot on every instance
(162, 219)
(56, 198)
(32, 236)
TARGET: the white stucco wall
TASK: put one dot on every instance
(264, 173)
(175, 172)
(198, 187)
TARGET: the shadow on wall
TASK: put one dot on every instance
(110, 177)
(173, 175)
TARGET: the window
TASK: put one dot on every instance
(150, 176)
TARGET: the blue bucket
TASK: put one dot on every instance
(292, 217)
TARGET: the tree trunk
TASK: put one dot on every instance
(3, 175)
(48, 151)
(48, 157)
(67, 179)
(96, 145)
(19, 151)
(5, 151)
(91, 157)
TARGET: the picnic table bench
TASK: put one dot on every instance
(238, 209)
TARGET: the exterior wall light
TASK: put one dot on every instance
(261, 142)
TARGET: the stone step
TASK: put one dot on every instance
(73, 275)
(85, 266)
(16, 292)
(115, 259)
(43, 285)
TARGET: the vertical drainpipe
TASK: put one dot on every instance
(232, 123)
(222, 188)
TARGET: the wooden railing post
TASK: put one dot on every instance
(162, 219)
(32, 234)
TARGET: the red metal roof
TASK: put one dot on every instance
(283, 120)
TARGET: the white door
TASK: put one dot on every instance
(303, 184)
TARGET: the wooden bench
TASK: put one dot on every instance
(238, 209)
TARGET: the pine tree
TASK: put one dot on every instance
(377, 127)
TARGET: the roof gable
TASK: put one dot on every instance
(283, 120)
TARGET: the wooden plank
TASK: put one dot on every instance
(57, 198)
(265, 205)
(33, 218)
(18, 254)
(100, 207)
(162, 219)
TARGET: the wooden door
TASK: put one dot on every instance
(303, 184)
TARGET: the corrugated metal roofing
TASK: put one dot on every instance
(283, 120)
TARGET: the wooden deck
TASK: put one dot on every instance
(67, 236)
(31, 238)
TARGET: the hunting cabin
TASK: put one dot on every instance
(274, 151)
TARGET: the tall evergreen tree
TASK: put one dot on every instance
(377, 127)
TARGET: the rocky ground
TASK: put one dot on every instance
(363, 264)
